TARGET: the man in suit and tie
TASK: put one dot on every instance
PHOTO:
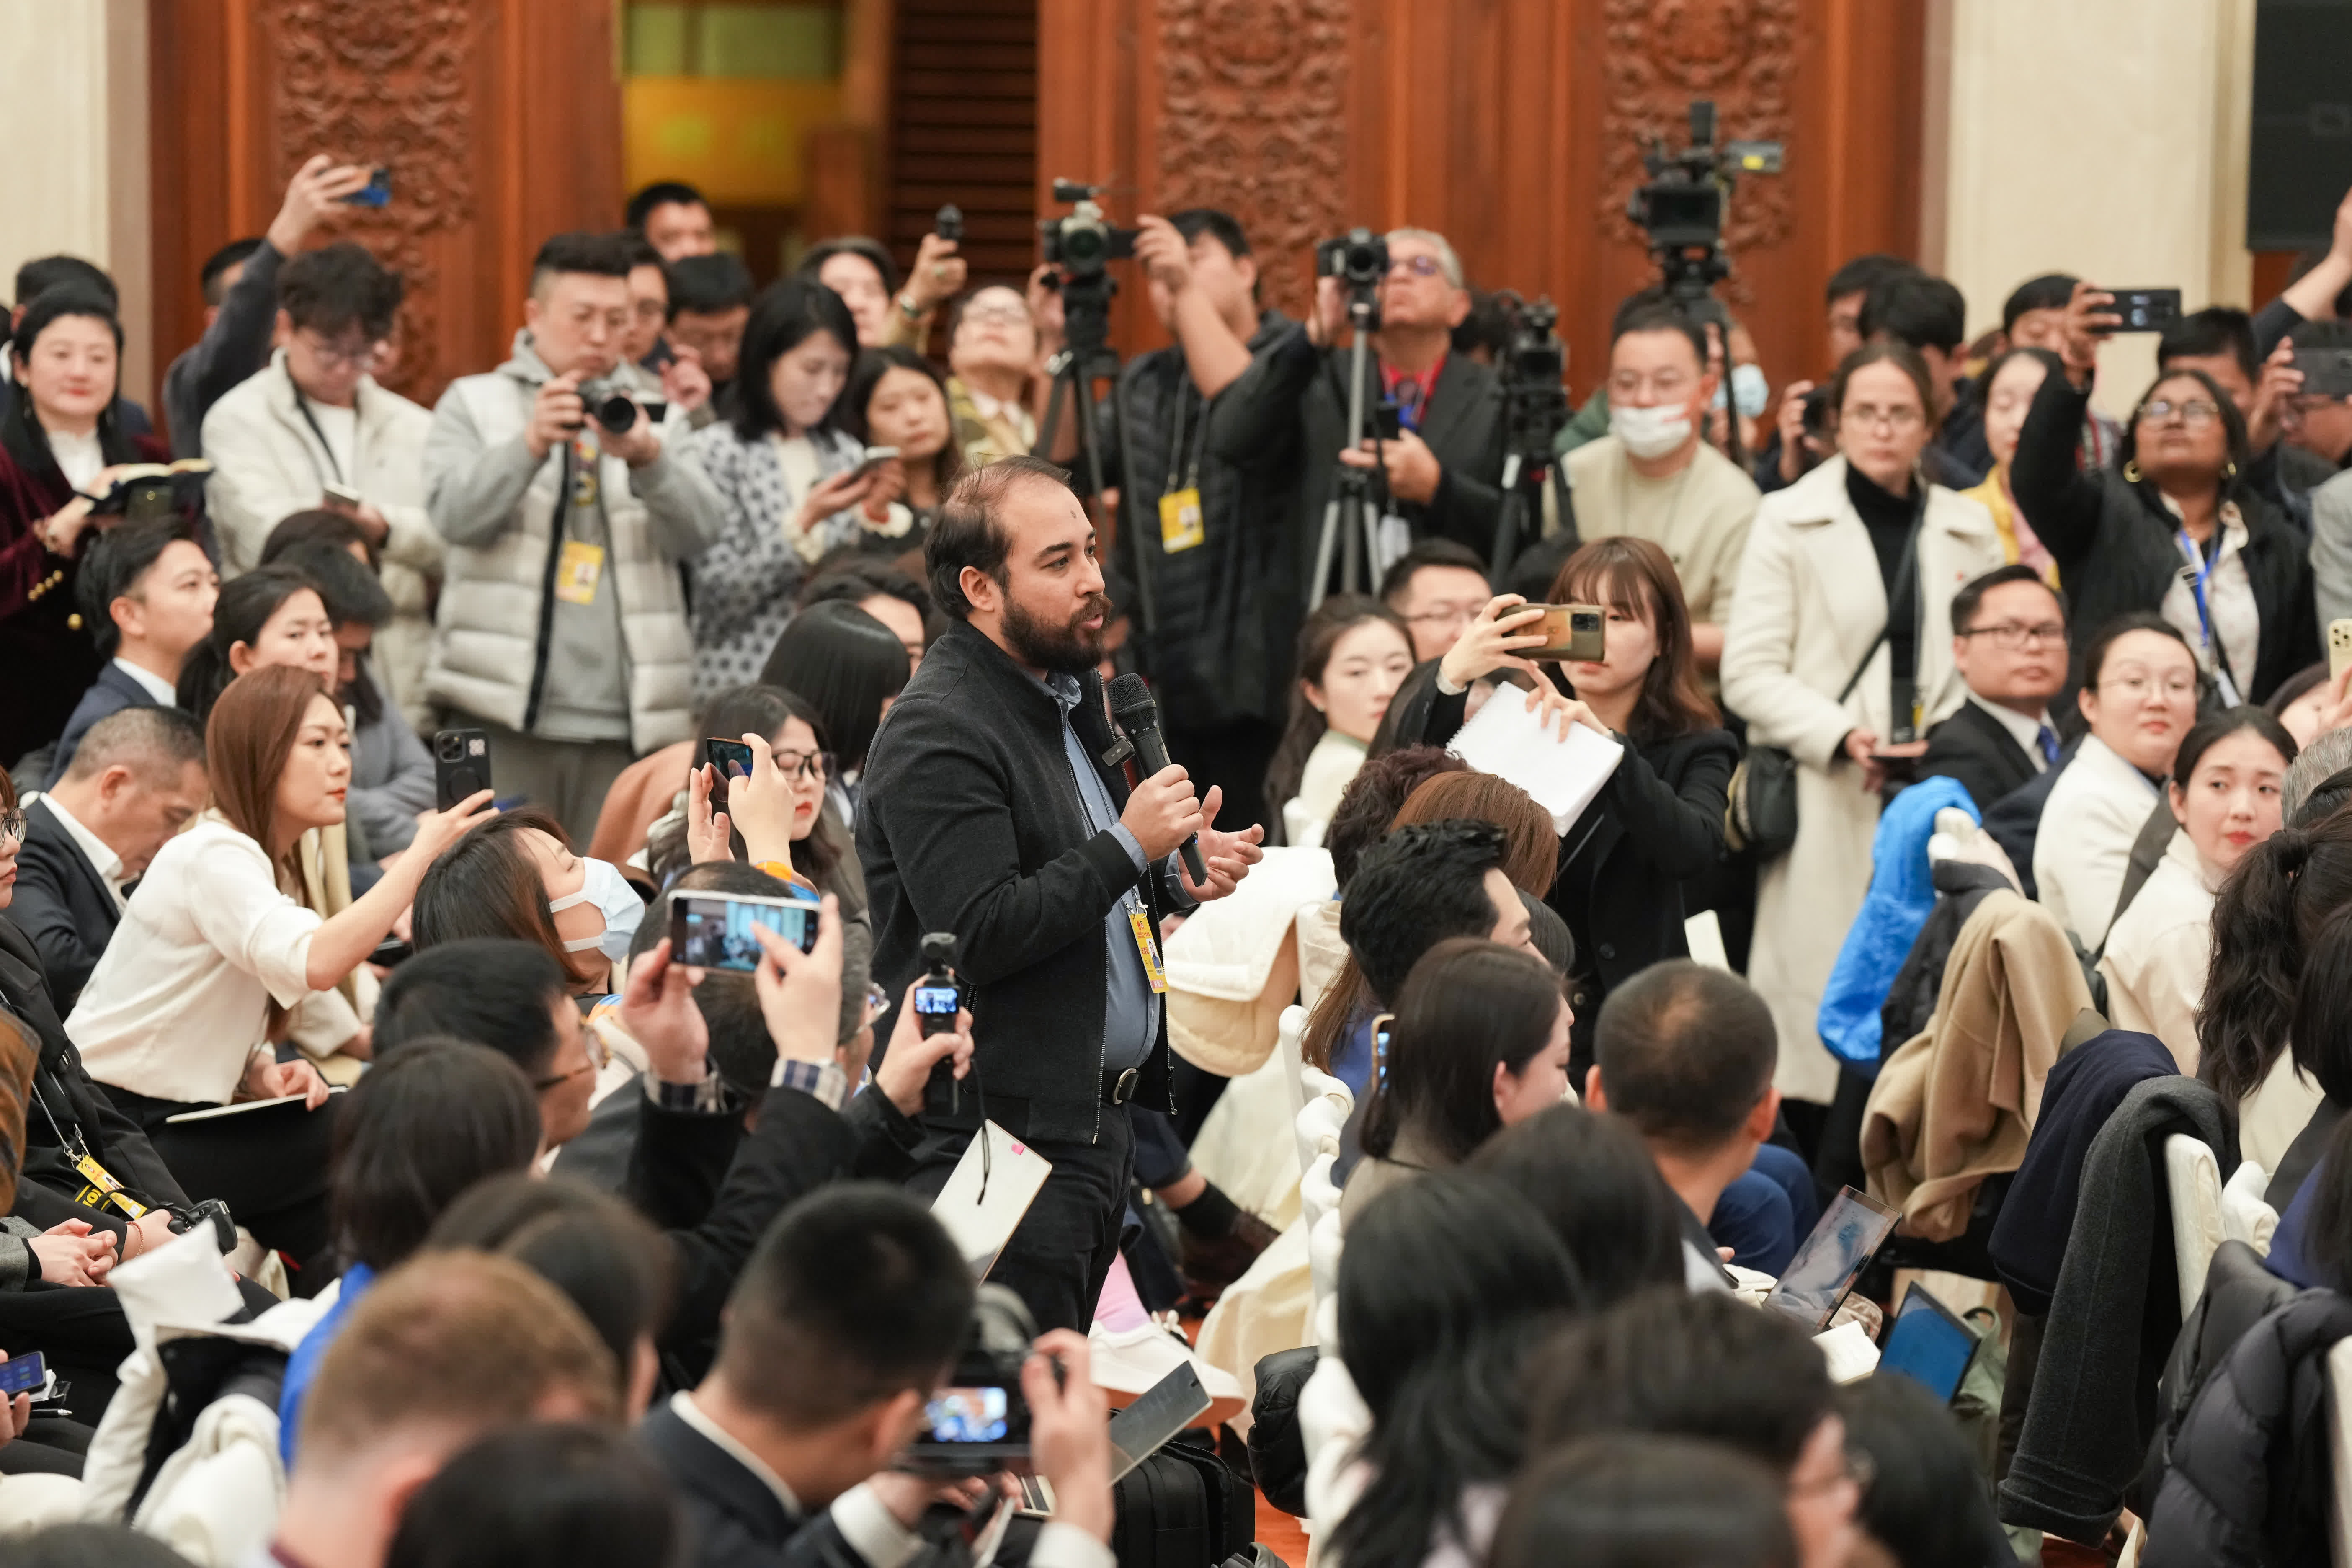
(138, 776)
(841, 1330)
(1442, 473)
(2009, 638)
(147, 592)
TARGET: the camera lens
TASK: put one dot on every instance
(452, 748)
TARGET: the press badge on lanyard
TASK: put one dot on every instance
(103, 1189)
(1146, 947)
(2198, 573)
(577, 571)
(1181, 524)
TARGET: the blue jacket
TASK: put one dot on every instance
(1902, 892)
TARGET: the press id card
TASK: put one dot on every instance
(577, 571)
(987, 1193)
(1181, 527)
(102, 1190)
(1147, 947)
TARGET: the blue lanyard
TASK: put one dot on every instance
(2201, 572)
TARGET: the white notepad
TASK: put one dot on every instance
(1508, 739)
(981, 1212)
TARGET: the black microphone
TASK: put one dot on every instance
(1139, 718)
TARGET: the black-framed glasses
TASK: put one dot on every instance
(819, 765)
(2009, 634)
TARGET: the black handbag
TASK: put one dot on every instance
(1760, 810)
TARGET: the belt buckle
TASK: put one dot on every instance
(1122, 1089)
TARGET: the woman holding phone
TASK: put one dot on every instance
(1658, 821)
(218, 944)
(791, 481)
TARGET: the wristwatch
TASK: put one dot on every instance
(908, 308)
(706, 1098)
(823, 1081)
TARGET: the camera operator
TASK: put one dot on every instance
(1214, 462)
(1443, 472)
(846, 1322)
(987, 813)
(573, 670)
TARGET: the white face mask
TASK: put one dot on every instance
(1649, 432)
(1749, 391)
(614, 899)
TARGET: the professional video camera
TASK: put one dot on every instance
(1359, 259)
(1082, 243)
(1682, 205)
(1535, 407)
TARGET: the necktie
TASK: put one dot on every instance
(2048, 739)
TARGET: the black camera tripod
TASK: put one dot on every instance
(1349, 519)
(1086, 360)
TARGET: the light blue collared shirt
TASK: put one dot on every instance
(1131, 1007)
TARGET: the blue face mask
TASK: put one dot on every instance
(615, 898)
(1750, 393)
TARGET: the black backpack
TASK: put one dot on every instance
(1182, 1508)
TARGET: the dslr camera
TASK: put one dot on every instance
(1082, 244)
(979, 1424)
(1359, 259)
(609, 405)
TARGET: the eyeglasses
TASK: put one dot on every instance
(12, 825)
(2011, 636)
(2195, 413)
(1446, 616)
(2137, 687)
(1419, 266)
(360, 358)
(1902, 416)
(805, 764)
(598, 1055)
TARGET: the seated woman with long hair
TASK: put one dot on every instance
(2266, 927)
(850, 668)
(218, 942)
(1479, 1043)
(2225, 793)
(1353, 653)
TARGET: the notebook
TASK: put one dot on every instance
(1510, 739)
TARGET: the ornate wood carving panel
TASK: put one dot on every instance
(500, 120)
(1254, 120)
(391, 80)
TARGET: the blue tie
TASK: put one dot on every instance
(2048, 739)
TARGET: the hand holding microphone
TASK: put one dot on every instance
(1163, 812)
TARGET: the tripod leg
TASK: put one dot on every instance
(1050, 427)
(1317, 590)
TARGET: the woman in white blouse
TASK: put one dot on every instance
(216, 946)
(2140, 694)
(2225, 793)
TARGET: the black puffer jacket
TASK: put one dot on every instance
(2250, 1478)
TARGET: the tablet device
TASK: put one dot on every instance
(1158, 1412)
(1928, 1343)
(1828, 1261)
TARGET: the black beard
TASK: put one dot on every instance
(1068, 649)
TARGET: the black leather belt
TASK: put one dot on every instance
(1119, 1088)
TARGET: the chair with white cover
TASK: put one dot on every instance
(2193, 1178)
(2245, 1217)
(2339, 1454)
(1329, 1105)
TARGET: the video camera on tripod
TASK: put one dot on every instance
(1532, 369)
(1082, 244)
(1359, 259)
(1682, 205)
